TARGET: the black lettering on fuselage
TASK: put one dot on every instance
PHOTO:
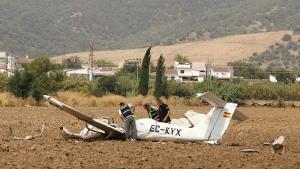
(157, 128)
(152, 128)
(167, 130)
(178, 132)
(172, 130)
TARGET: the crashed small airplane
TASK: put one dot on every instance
(194, 127)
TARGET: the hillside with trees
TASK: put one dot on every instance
(281, 59)
(52, 27)
(284, 54)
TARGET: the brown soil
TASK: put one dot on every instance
(51, 151)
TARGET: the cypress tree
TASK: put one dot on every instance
(160, 80)
(165, 87)
(144, 74)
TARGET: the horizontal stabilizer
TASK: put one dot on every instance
(212, 99)
(239, 116)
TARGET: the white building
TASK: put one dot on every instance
(85, 73)
(222, 72)
(187, 72)
(198, 71)
(8, 63)
(172, 74)
(273, 79)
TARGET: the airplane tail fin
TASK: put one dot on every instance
(218, 118)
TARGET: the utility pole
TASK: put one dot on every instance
(64, 55)
(6, 62)
(138, 62)
(91, 61)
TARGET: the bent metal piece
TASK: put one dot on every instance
(29, 137)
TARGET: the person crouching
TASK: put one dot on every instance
(151, 111)
(127, 117)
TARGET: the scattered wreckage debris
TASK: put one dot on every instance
(249, 150)
(277, 146)
(88, 133)
(29, 137)
(232, 144)
(161, 142)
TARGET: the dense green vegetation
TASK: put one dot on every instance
(42, 77)
(237, 92)
(125, 85)
(105, 63)
(52, 27)
(252, 71)
(38, 78)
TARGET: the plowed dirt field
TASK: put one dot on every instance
(52, 151)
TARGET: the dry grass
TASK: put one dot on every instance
(221, 50)
(8, 100)
(83, 100)
(79, 99)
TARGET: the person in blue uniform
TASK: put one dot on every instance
(127, 116)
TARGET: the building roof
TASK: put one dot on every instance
(198, 66)
(171, 72)
(23, 60)
(220, 68)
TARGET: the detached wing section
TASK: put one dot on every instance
(101, 125)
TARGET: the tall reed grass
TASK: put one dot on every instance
(269, 91)
(77, 99)
(9, 100)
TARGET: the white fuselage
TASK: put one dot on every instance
(148, 129)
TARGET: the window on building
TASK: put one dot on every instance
(182, 71)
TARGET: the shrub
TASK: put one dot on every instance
(229, 91)
(126, 85)
(180, 89)
(286, 37)
(20, 84)
(38, 78)
(3, 82)
(105, 63)
(72, 63)
(105, 85)
(122, 84)
(181, 59)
